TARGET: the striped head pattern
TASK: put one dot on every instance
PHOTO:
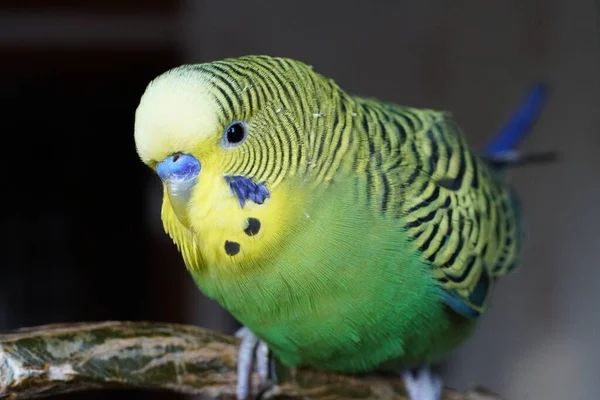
(247, 116)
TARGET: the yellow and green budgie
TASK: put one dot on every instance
(344, 233)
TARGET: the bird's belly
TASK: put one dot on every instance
(354, 342)
(342, 350)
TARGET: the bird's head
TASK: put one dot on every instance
(230, 130)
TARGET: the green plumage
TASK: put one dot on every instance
(389, 233)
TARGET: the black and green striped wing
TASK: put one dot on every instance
(455, 208)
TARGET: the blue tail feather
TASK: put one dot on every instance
(519, 125)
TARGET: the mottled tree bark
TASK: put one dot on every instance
(51, 359)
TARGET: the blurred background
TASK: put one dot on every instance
(81, 235)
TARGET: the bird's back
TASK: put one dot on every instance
(461, 215)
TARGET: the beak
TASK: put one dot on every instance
(179, 172)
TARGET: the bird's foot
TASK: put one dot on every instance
(253, 353)
(423, 384)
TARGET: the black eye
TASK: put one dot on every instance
(235, 133)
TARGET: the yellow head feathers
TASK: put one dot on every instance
(176, 114)
(279, 101)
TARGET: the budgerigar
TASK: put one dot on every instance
(343, 232)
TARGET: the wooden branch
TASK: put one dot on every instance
(59, 358)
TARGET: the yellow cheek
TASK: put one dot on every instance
(231, 235)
